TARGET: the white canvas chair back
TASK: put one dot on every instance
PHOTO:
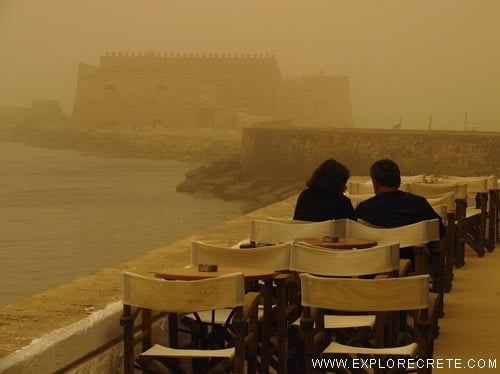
(269, 232)
(442, 211)
(183, 296)
(365, 295)
(356, 199)
(275, 257)
(474, 185)
(360, 188)
(435, 189)
(419, 233)
(344, 263)
(413, 178)
(447, 199)
(491, 181)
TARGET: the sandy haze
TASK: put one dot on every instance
(409, 58)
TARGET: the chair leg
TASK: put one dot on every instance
(461, 206)
(450, 254)
(128, 342)
(490, 242)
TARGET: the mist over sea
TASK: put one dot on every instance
(64, 215)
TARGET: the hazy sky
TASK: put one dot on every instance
(408, 57)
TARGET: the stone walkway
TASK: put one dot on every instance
(471, 327)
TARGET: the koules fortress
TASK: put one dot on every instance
(129, 90)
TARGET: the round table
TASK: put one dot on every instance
(249, 274)
(343, 243)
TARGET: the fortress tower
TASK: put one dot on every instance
(174, 90)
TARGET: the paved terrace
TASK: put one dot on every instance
(470, 328)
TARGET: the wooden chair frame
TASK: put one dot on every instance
(316, 339)
(244, 324)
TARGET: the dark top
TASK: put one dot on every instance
(397, 208)
(318, 205)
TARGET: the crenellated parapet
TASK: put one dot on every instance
(119, 56)
(180, 89)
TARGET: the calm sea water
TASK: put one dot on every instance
(63, 215)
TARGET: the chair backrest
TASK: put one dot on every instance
(365, 295)
(183, 296)
(269, 232)
(413, 178)
(474, 185)
(407, 236)
(275, 257)
(447, 199)
(356, 199)
(344, 263)
(435, 189)
(442, 211)
(360, 188)
(491, 180)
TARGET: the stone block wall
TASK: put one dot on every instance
(296, 152)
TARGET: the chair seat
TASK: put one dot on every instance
(162, 351)
(221, 316)
(344, 322)
(407, 350)
(470, 212)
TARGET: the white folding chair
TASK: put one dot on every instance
(419, 236)
(276, 258)
(478, 214)
(456, 224)
(265, 232)
(345, 263)
(148, 294)
(413, 178)
(409, 294)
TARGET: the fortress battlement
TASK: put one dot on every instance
(144, 89)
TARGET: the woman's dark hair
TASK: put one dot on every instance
(330, 176)
(386, 173)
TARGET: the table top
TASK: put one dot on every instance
(343, 243)
(193, 273)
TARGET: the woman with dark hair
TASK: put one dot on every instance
(324, 198)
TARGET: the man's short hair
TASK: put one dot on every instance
(386, 173)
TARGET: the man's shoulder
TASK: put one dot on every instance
(367, 203)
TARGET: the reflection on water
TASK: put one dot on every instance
(63, 215)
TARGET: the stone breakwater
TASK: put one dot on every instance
(193, 146)
(223, 178)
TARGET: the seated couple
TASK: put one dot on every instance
(324, 198)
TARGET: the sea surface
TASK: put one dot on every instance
(64, 215)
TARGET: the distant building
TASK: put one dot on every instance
(41, 113)
(135, 90)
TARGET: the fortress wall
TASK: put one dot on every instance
(297, 152)
(176, 90)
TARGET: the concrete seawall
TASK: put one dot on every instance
(296, 152)
(75, 326)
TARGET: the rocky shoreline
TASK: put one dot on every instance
(223, 179)
(219, 153)
(155, 146)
